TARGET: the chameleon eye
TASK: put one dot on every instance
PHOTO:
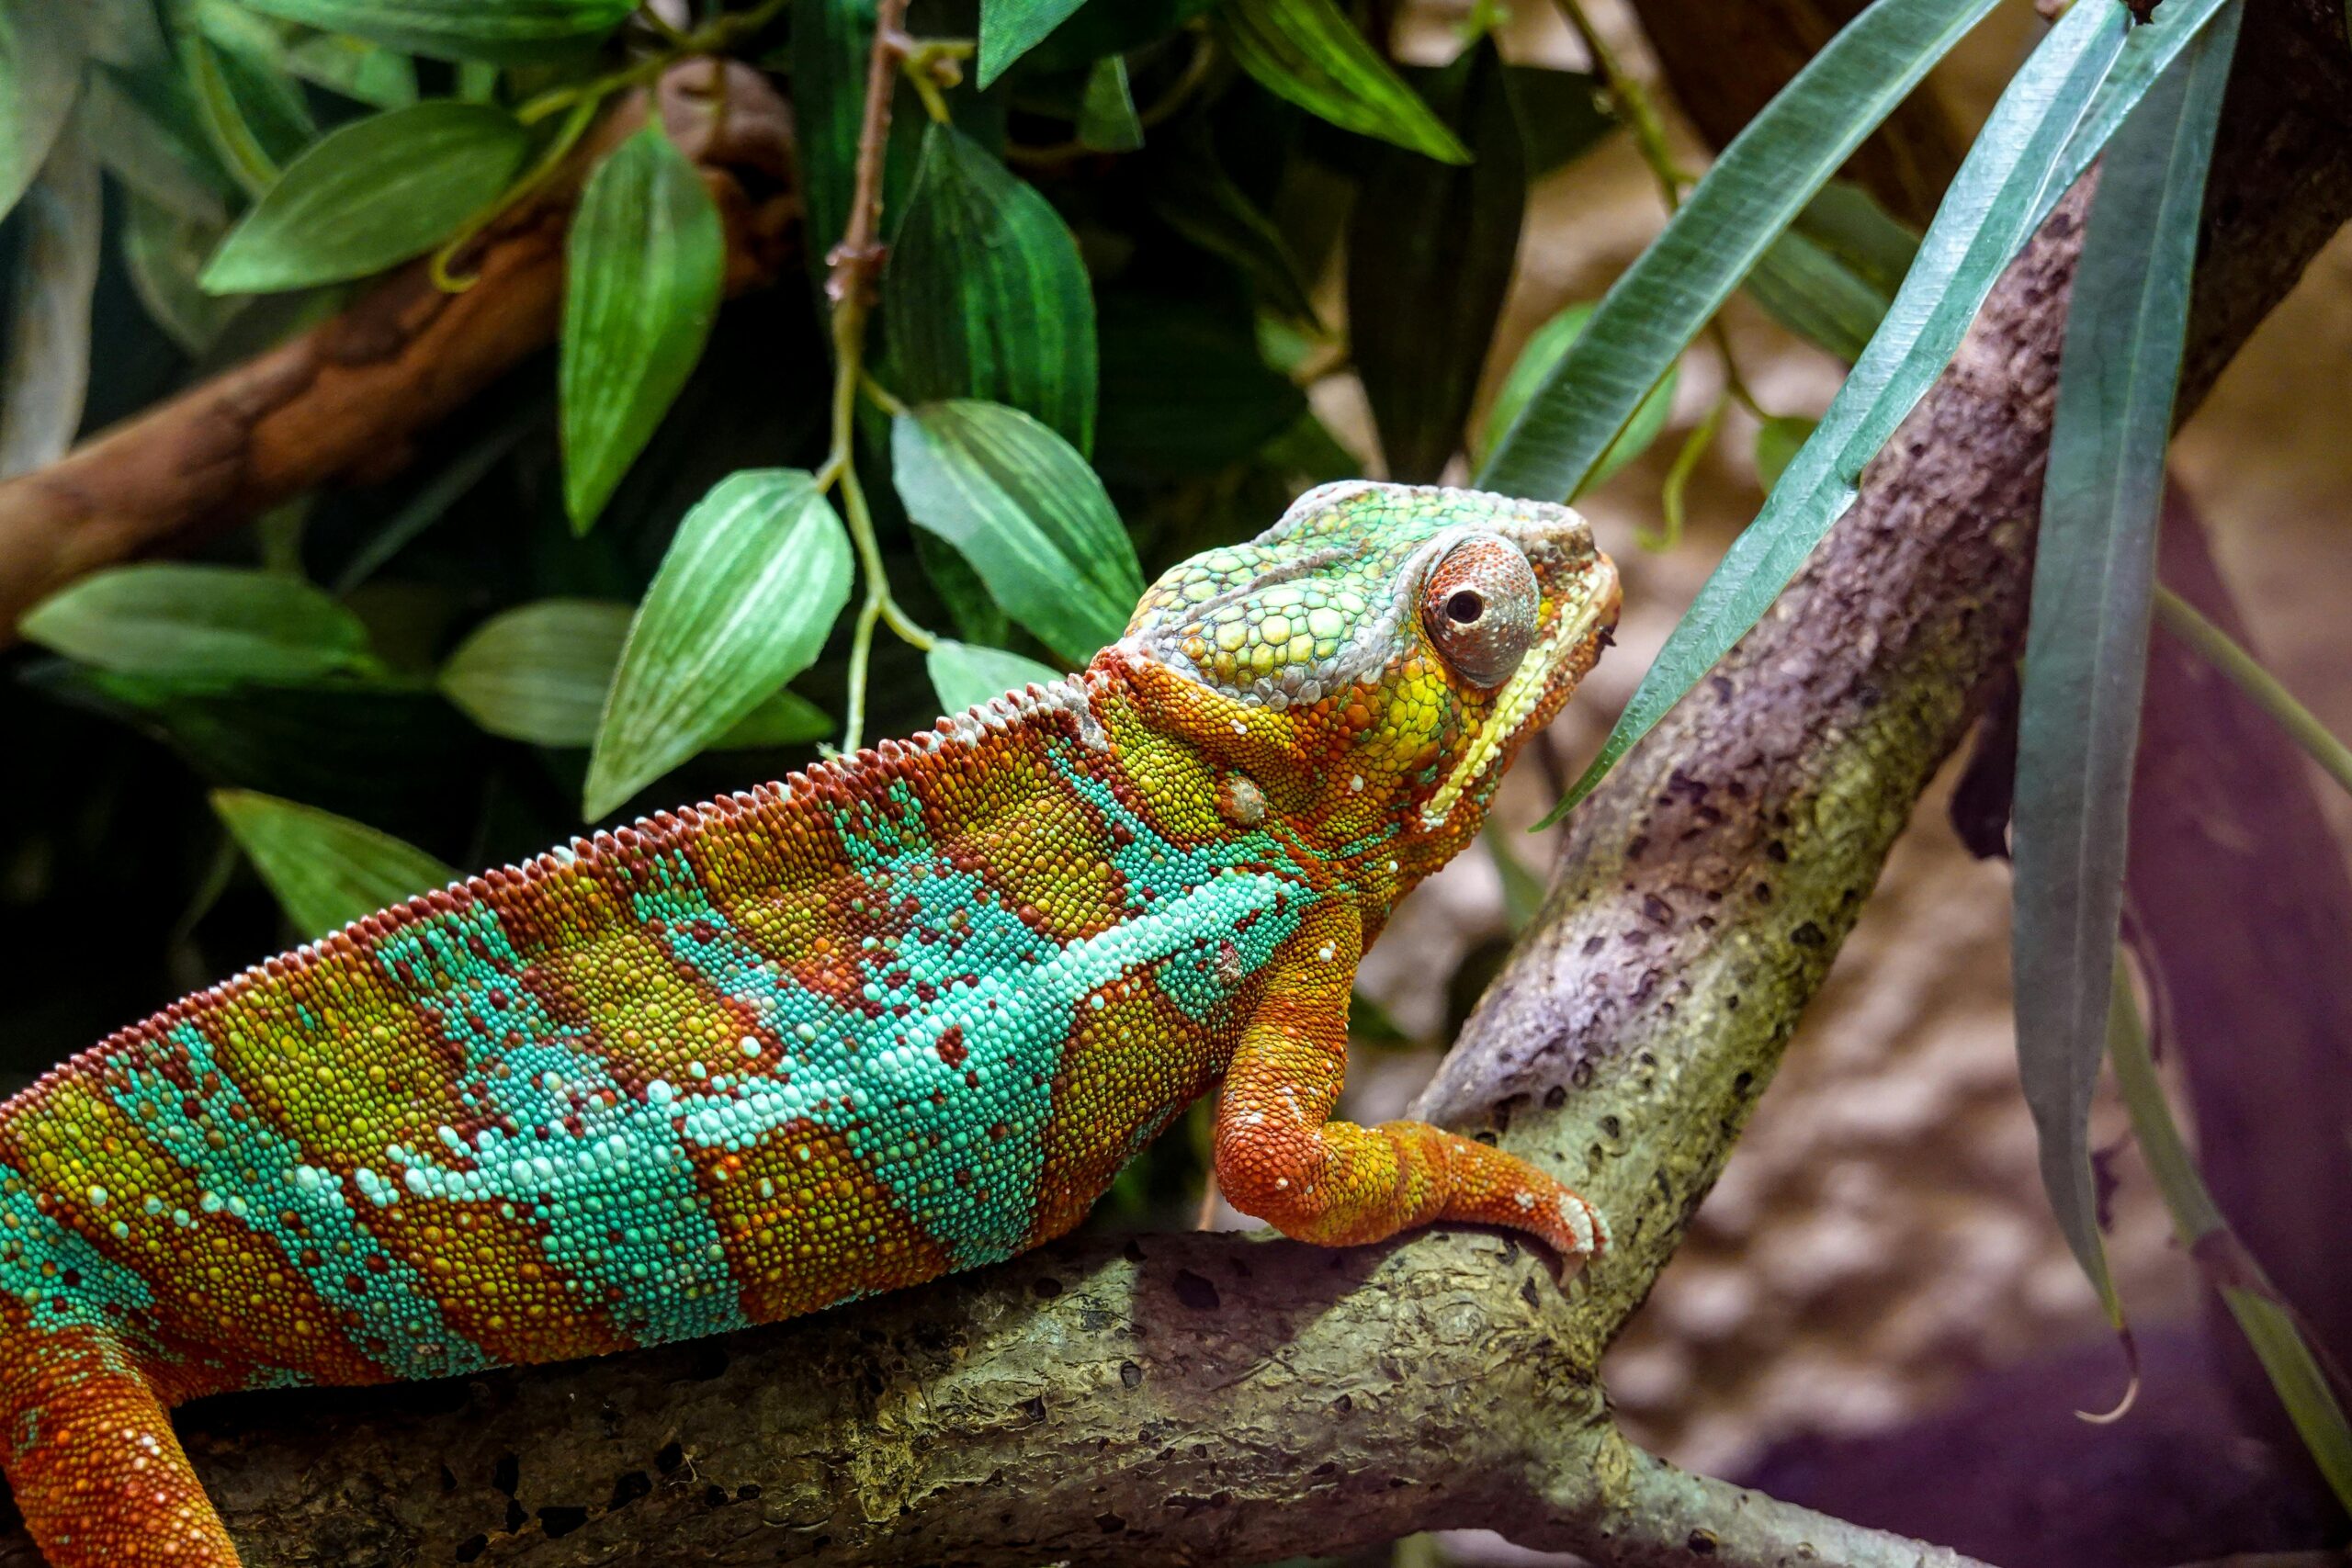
(1480, 607)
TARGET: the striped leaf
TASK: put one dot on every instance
(327, 871)
(1307, 51)
(506, 31)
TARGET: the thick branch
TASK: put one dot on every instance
(1200, 1397)
(344, 400)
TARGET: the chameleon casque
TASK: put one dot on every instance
(906, 1013)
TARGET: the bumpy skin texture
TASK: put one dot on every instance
(901, 1014)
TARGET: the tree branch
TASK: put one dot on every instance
(1200, 1397)
(343, 399)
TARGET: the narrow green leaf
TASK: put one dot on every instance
(1307, 51)
(40, 71)
(1190, 191)
(1545, 347)
(1778, 441)
(327, 871)
(231, 140)
(2149, 50)
(965, 675)
(164, 251)
(644, 266)
(146, 131)
(363, 72)
(201, 622)
(985, 295)
(505, 31)
(1986, 218)
(1424, 296)
(1009, 29)
(1847, 221)
(1764, 178)
(1816, 295)
(371, 194)
(2087, 647)
(250, 56)
(1106, 109)
(742, 603)
(46, 376)
(1023, 508)
(2264, 689)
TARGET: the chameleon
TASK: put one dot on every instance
(904, 1012)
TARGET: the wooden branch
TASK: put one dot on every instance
(1214, 1398)
(343, 401)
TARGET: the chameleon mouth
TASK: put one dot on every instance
(1571, 637)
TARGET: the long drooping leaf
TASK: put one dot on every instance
(46, 374)
(985, 295)
(1755, 189)
(2086, 648)
(40, 70)
(215, 623)
(373, 193)
(965, 675)
(327, 871)
(508, 31)
(1027, 513)
(1423, 294)
(1307, 51)
(742, 603)
(1986, 218)
(1544, 348)
(541, 673)
(644, 266)
(1009, 29)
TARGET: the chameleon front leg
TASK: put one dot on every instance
(90, 1455)
(1339, 1184)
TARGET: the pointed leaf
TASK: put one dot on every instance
(1986, 217)
(644, 266)
(1814, 294)
(2094, 576)
(370, 194)
(363, 72)
(1424, 296)
(1778, 441)
(1106, 109)
(1009, 29)
(46, 374)
(1025, 509)
(1307, 51)
(985, 296)
(742, 603)
(965, 675)
(1563, 115)
(1755, 189)
(1545, 347)
(507, 32)
(327, 871)
(212, 622)
(40, 71)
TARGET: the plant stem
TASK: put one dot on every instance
(2223, 654)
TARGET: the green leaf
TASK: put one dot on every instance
(505, 31)
(1778, 441)
(46, 376)
(1101, 28)
(1847, 221)
(1424, 296)
(540, 672)
(1106, 109)
(327, 871)
(371, 194)
(40, 71)
(1545, 347)
(1185, 389)
(1563, 115)
(1817, 295)
(830, 43)
(1675, 286)
(644, 266)
(985, 296)
(217, 622)
(2094, 576)
(250, 59)
(1307, 51)
(1009, 29)
(164, 251)
(1191, 192)
(1986, 217)
(1023, 508)
(362, 72)
(145, 127)
(742, 603)
(966, 676)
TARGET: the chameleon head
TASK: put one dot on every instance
(1378, 655)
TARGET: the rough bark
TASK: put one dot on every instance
(342, 401)
(1212, 1397)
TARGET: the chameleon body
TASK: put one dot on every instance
(904, 1013)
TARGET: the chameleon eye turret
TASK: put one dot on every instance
(1481, 608)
